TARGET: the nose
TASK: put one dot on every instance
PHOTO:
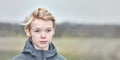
(43, 35)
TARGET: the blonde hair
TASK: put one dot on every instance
(40, 13)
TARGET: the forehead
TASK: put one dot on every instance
(41, 23)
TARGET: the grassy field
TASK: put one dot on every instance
(71, 48)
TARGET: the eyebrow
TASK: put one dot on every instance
(49, 28)
(40, 28)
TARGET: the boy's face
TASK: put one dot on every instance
(41, 33)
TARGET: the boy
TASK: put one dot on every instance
(40, 28)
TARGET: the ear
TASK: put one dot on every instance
(27, 31)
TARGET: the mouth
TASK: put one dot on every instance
(43, 42)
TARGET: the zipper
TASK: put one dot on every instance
(42, 54)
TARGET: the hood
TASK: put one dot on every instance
(29, 48)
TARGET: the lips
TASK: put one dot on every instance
(43, 42)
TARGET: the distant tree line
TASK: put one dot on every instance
(10, 29)
(67, 30)
(87, 30)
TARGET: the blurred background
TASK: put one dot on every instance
(86, 29)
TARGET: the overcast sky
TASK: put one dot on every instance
(76, 11)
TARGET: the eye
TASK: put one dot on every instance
(37, 31)
(48, 30)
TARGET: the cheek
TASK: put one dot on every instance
(50, 36)
(51, 33)
(34, 36)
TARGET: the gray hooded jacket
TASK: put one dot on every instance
(30, 53)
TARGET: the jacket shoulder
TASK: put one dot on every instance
(60, 57)
(19, 57)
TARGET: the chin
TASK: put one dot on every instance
(43, 46)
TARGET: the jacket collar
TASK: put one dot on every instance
(29, 48)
